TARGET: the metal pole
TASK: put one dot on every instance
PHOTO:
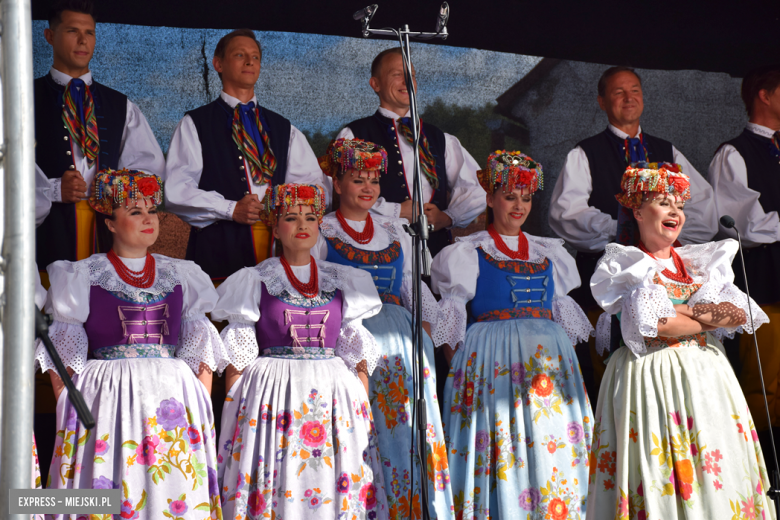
(18, 249)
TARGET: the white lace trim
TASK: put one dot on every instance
(170, 273)
(538, 248)
(240, 344)
(385, 232)
(199, 342)
(271, 273)
(451, 328)
(641, 311)
(71, 342)
(430, 307)
(603, 333)
(356, 344)
(715, 292)
(572, 319)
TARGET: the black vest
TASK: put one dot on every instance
(381, 130)
(55, 238)
(607, 161)
(225, 246)
(763, 175)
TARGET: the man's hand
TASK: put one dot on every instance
(438, 219)
(406, 210)
(73, 187)
(247, 210)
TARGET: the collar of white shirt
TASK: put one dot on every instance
(392, 115)
(621, 134)
(230, 100)
(63, 79)
(760, 130)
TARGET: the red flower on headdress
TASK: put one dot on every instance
(373, 162)
(680, 184)
(306, 192)
(526, 178)
(148, 186)
(671, 167)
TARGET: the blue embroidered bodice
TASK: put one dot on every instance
(385, 266)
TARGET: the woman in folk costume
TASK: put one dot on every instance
(377, 244)
(516, 412)
(673, 436)
(132, 326)
(297, 439)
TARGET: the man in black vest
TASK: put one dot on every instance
(81, 127)
(222, 158)
(745, 176)
(583, 209)
(451, 191)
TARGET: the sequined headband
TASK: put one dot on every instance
(353, 154)
(278, 199)
(511, 170)
(642, 178)
(124, 187)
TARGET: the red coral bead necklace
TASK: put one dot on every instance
(310, 289)
(142, 279)
(365, 236)
(681, 275)
(522, 244)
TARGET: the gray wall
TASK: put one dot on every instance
(696, 111)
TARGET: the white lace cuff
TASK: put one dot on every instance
(71, 343)
(719, 292)
(641, 312)
(603, 333)
(56, 189)
(239, 342)
(199, 342)
(356, 344)
(572, 319)
(451, 328)
(430, 307)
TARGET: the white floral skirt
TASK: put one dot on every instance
(297, 441)
(674, 438)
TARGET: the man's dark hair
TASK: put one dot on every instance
(761, 78)
(223, 42)
(602, 87)
(377, 63)
(77, 6)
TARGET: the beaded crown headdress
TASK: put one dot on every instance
(643, 177)
(124, 187)
(353, 154)
(279, 198)
(511, 170)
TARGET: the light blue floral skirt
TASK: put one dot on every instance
(391, 393)
(518, 423)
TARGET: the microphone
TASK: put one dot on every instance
(444, 16)
(728, 222)
(366, 13)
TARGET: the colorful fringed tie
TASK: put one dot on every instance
(776, 142)
(635, 148)
(78, 114)
(427, 162)
(252, 139)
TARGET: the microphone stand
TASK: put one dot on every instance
(418, 229)
(74, 396)
(774, 491)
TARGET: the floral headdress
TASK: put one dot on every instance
(124, 188)
(643, 177)
(278, 199)
(511, 170)
(353, 154)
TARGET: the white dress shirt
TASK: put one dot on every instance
(43, 196)
(138, 150)
(184, 168)
(728, 175)
(467, 198)
(587, 229)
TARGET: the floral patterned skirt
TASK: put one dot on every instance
(518, 423)
(391, 395)
(153, 439)
(297, 441)
(674, 438)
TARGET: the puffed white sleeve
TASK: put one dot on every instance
(720, 288)
(239, 303)
(69, 303)
(454, 276)
(430, 307)
(566, 312)
(199, 341)
(360, 301)
(623, 284)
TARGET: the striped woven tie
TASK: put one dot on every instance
(776, 141)
(427, 162)
(78, 114)
(252, 139)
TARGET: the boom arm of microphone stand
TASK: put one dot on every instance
(74, 396)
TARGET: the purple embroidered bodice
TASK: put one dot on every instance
(284, 324)
(113, 321)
